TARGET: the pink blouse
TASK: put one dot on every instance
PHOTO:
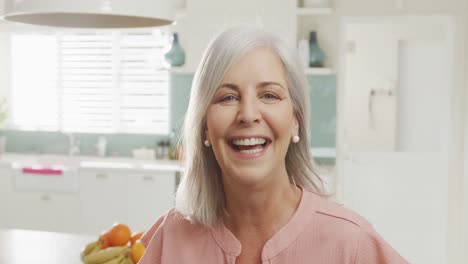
(320, 231)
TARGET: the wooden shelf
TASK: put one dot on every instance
(304, 11)
(318, 71)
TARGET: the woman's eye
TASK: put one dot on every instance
(269, 96)
(228, 98)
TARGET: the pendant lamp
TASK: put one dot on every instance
(91, 13)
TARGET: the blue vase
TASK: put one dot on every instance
(176, 55)
(316, 54)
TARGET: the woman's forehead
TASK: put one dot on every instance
(260, 64)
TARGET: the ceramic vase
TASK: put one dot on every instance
(316, 54)
(176, 55)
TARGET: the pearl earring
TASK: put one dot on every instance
(207, 143)
(296, 139)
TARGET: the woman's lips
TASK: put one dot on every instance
(251, 151)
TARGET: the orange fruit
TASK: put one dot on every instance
(135, 237)
(119, 235)
(137, 251)
(104, 239)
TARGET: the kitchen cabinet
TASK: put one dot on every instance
(103, 199)
(150, 195)
(45, 211)
(136, 197)
(5, 188)
(36, 210)
(133, 197)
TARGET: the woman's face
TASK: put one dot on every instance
(250, 121)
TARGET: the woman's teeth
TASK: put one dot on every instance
(252, 151)
(249, 141)
(249, 145)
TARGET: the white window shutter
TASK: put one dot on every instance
(104, 83)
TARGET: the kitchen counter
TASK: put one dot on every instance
(16, 160)
(37, 247)
(88, 162)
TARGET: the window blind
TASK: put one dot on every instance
(91, 82)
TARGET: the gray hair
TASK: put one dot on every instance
(200, 195)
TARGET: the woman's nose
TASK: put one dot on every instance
(248, 111)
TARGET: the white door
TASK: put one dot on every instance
(393, 129)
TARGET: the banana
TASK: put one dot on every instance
(116, 260)
(127, 260)
(97, 247)
(89, 248)
(105, 255)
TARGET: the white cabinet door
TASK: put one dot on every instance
(103, 199)
(149, 196)
(43, 211)
(5, 191)
(37, 210)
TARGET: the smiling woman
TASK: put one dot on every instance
(249, 193)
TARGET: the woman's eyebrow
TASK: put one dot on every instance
(235, 87)
(268, 83)
(229, 86)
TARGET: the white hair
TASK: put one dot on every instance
(200, 195)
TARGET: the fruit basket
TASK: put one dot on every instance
(114, 246)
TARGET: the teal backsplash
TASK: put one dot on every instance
(323, 123)
(179, 99)
(57, 142)
(323, 110)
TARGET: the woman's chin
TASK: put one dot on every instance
(249, 177)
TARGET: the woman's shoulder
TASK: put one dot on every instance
(171, 223)
(333, 219)
(339, 214)
(347, 226)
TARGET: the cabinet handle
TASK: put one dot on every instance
(101, 176)
(45, 197)
(148, 178)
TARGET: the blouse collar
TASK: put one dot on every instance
(282, 239)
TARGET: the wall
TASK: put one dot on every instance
(463, 186)
(457, 195)
(205, 18)
(381, 58)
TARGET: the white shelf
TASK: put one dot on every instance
(308, 71)
(304, 11)
(181, 13)
(323, 152)
(318, 71)
(180, 70)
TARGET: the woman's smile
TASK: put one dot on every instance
(249, 147)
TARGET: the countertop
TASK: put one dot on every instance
(87, 162)
(16, 160)
(40, 247)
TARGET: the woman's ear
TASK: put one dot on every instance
(295, 126)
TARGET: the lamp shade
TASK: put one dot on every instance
(91, 13)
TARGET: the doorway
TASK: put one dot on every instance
(395, 86)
